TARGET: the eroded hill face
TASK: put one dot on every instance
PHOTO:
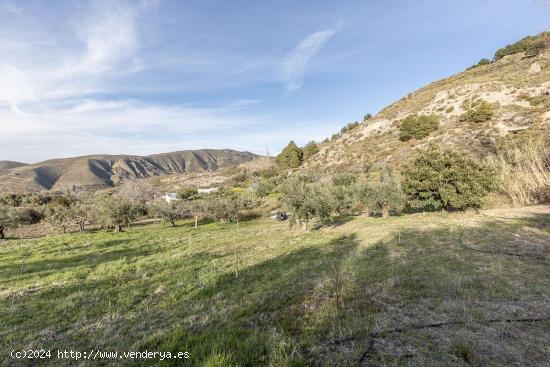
(517, 86)
(104, 170)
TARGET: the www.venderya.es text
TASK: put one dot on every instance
(95, 354)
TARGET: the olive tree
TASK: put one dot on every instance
(261, 188)
(226, 206)
(59, 215)
(117, 211)
(169, 212)
(342, 193)
(7, 219)
(197, 209)
(383, 194)
(305, 200)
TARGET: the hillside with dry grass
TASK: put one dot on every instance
(516, 87)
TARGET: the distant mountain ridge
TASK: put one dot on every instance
(108, 170)
(10, 164)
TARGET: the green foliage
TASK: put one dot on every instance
(368, 116)
(168, 212)
(514, 48)
(541, 42)
(382, 195)
(290, 157)
(349, 127)
(117, 211)
(7, 219)
(239, 179)
(483, 62)
(268, 173)
(310, 149)
(262, 188)
(187, 192)
(447, 179)
(481, 111)
(305, 200)
(227, 206)
(480, 63)
(418, 127)
(341, 199)
(59, 215)
(344, 179)
(13, 200)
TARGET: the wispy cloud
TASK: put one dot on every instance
(109, 37)
(10, 7)
(296, 61)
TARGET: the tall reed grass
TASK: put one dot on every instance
(525, 173)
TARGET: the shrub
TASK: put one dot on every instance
(480, 63)
(290, 157)
(349, 127)
(450, 109)
(482, 111)
(187, 192)
(344, 179)
(261, 188)
(368, 116)
(310, 149)
(541, 43)
(418, 127)
(268, 173)
(7, 219)
(520, 46)
(525, 173)
(13, 200)
(447, 179)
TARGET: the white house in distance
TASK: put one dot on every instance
(170, 196)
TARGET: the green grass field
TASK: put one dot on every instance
(417, 290)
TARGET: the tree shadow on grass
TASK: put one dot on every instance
(267, 296)
(334, 222)
(422, 277)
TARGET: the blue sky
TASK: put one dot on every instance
(142, 77)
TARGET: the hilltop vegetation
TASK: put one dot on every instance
(481, 111)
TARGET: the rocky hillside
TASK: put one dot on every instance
(517, 87)
(107, 170)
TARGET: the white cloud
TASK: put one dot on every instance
(296, 61)
(127, 126)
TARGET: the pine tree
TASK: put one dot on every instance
(291, 156)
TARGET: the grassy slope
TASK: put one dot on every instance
(159, 288)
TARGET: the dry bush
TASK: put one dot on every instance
(525, 173)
